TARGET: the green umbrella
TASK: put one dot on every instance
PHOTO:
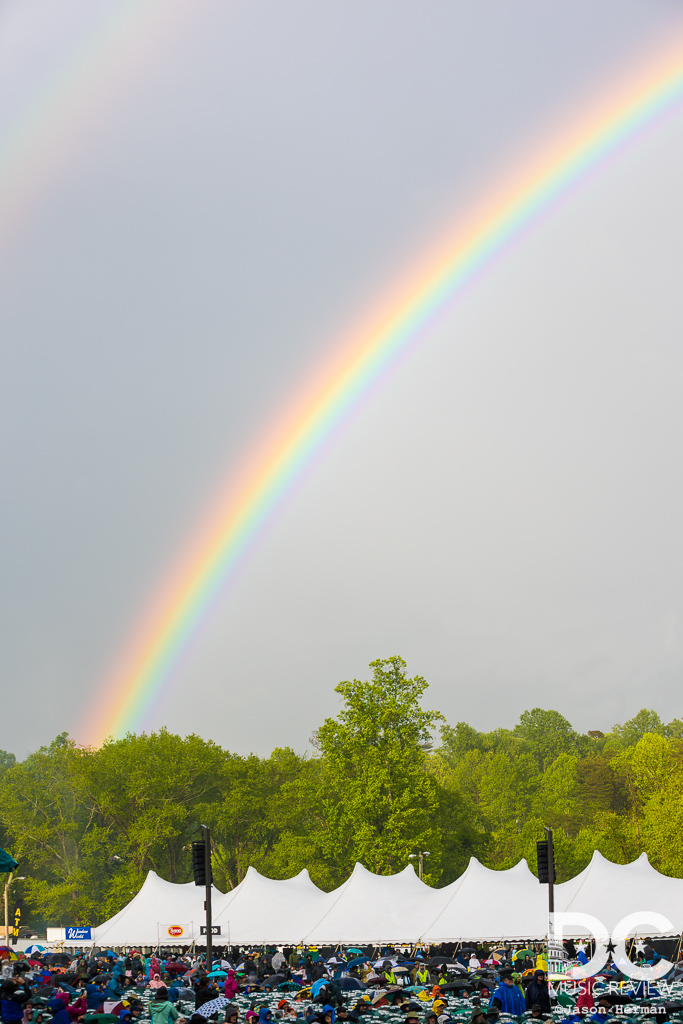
(7, 863)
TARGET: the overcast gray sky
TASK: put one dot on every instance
(214, 207)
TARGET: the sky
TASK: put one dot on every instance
(199, 198)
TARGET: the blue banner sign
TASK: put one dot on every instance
(78, 933)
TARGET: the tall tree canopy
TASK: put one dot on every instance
(377, 787)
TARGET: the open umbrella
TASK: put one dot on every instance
(288, 986)
(101, 978)
(356, 963)
(337, 960)
(351, 984)
(213, 1006)
(354, 949)
(273, 981)
(45, 992)
(217, 974)
(59, 958)
(35, 948)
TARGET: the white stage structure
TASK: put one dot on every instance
(481, 905)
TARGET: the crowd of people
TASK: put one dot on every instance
(454, 986)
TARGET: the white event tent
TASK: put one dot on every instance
(373, 909)
(480, 905)
(485, 904)
(162, 913)
(610, 891)
(261, 910)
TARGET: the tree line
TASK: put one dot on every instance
(385, 779)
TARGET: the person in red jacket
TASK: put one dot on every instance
(231, 986)
(585, 1004)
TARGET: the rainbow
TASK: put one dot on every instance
(361, 358)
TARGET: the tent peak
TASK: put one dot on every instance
(520, 868)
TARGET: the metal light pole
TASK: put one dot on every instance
(7, 885)
(551, 885)
(421, 854)
(207, 902)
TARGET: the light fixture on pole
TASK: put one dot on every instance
(421, 854)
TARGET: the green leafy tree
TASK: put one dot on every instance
(646, 721)
(556, 799)
(378, 802)
(256, 816)
(146, 790)
(615, 836)
(48, 814)
(548, 734)
(7, 760)
(507, 787)
(662, 817)
(599, 788)
(512, 843)
(461, 835)
(87, 825)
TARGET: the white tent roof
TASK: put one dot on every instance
(264, 909)
(484, 904)
(610, 891)
(374, 908)
(162, 913)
